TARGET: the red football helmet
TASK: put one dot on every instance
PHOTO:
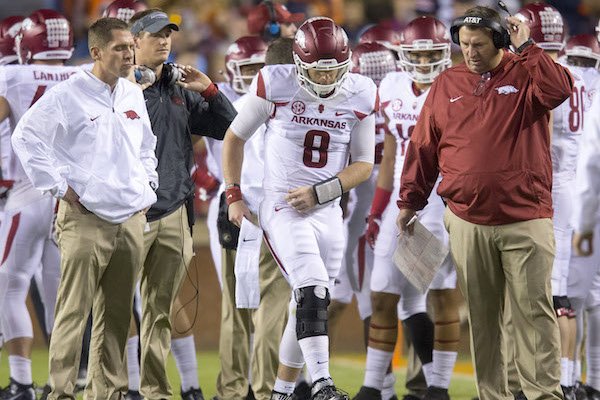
(373, 60)
(321, 45)
(382, 35)
(583, 46)
(425, 34)
(247, 50)
(44, 35)
(9, 28)
(124, 9)
(546, 24)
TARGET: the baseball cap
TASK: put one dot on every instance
(152, 23)
(259, 16)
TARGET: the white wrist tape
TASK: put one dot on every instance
(328, 190)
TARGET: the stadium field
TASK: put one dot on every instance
(347, 371)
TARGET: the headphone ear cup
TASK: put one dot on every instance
(172, 73)
(272, 30)
(454, 34)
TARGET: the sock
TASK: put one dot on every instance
(20, 369)
(184, 352)
(428, 372)
(577, 371)
(378, 362)
(284, 386)
(316, 355)
(571, 367)
(388, 390)
(564, 371)
(133, 363)
(443, 365)
(593, 367)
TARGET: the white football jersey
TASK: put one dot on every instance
(308, 139)
(567, 127)
(402, 105)
(22, 86)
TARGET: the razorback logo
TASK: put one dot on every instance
(131, 114)
(508, 89)
(177, 100)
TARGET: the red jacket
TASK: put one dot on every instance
(492, 149)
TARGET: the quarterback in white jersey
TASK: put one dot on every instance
(402, 96)
(27, 237)
(317, 116)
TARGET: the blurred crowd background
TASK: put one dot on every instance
(209, 26)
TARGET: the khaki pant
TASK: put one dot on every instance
(513, 260)
(267, 323)
(99, 266)
(168, 252)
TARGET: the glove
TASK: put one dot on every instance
(206, 184)
(373, 222)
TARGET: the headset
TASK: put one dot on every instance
(272, 28)
(500, 35)
(171, 74)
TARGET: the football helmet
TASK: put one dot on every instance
(382, 35)
(124, 9)
(546, 24)
(584, 46)
(247, 50)
(44, 35)
(9, 28)
(420, 35)
(373, 60)
(322, 45)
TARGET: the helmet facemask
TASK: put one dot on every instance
(424, 72)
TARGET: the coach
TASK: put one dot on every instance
(178, 107)
(484, 127)
(88, 141)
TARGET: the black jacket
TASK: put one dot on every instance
(176, 114)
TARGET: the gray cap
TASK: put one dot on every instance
(152, 23)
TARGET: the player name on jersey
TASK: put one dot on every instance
(52, 76)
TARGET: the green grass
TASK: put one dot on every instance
(347, 371)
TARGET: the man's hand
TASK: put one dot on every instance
(237, 212)
(519, 31)
(193, 79)
(302, 199)
(73, 199)
(373, 223)
(404, 223)
(579, 240)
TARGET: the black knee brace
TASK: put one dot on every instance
(562, 305)
(311, 313)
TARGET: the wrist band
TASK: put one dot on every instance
(525, 45)
(233, 193)
(328, 190)
(380, 201)
(210, 91)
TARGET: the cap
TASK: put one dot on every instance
(152, 23)
(260, 15)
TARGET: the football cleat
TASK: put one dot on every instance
(45, 392)
(302, 391)
(192, 394)
(17, 391)
(323, 389)
(281, 396)
(367, 393)
(436, 393)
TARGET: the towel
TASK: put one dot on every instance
(247, 285)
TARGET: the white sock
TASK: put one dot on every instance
(285, 387)
(184, 352)
(315, 350)
(378, 362)
(133, 363)
(428, 372)
(564, 371)
(571, 367)
(443, 365)
(20, 369)
(388, 390)
(577, 371)
(593, 367)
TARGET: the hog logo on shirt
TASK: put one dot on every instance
(131, 114)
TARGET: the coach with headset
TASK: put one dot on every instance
(182, 101)
(484, 127)
(273, 20)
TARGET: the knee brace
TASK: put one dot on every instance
(311, 314)
(562, 306)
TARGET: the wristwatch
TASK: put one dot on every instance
(525, 45)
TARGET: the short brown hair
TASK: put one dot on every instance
(100, 33)
(484, 12)
(280, 52)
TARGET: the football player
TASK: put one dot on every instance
(317, 115)
(424, 54)
(43, 44)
